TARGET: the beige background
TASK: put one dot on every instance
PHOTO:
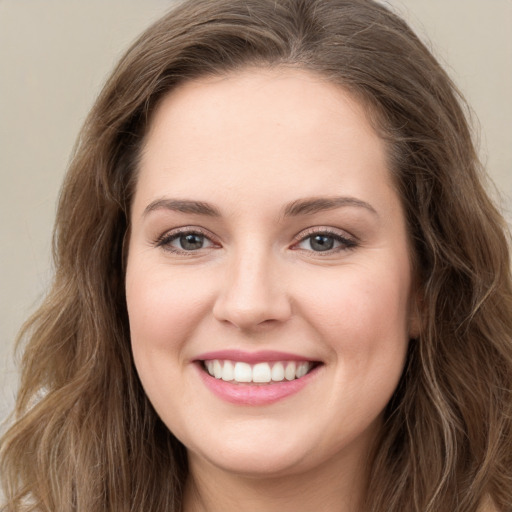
(54, 56)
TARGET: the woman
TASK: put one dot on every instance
(280, 284)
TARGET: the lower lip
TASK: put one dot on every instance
(247, 394)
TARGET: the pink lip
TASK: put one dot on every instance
(250, 357)
(254, 394)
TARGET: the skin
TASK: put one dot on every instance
(249, 144)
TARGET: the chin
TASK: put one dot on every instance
(268, 459)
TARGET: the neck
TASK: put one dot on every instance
(329, 488)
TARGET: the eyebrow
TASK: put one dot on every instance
(309, 206)
(183, 206)
(306, 206)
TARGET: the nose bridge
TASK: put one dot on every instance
(252, 292)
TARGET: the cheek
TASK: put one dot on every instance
(163, 309)
(363, 311)
(164, 312)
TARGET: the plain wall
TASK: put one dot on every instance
(54, 56)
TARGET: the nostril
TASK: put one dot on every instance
(249, 316)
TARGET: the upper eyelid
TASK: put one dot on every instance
(302, 235)
(324, 230)
(187, 229)
(346, 240)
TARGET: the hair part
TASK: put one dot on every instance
(85, 435)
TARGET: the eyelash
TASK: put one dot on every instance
(165, 240)
(346, 242)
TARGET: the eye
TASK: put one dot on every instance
(325, 241)
(185, 241)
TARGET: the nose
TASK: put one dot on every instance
(253, 294)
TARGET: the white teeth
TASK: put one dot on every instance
(289, 372)
(243, 372)
(302, 369)
(228, 371)
(217, 369)
(259, 373)
(277, 372)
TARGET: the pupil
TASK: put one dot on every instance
(191, 242)
(322, 243)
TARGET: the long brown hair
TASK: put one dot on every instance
(85, 437)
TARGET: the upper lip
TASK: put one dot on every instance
(251, 357)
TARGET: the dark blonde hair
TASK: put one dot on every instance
(85, 437)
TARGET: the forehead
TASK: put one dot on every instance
(253, 98)
(273, 129)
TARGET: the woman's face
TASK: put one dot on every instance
(267, 241)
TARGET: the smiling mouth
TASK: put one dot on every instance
(259, 373)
